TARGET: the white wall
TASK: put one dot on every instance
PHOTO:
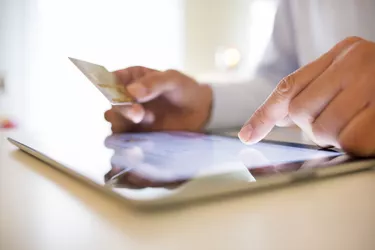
(44, 90)
(115, 33)
(14, 19)
(211, 24)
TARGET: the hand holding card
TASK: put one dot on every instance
(150, 100)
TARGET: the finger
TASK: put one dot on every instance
(118, 122)
(108, 115)
(122, 127)
(309, 103)
(149, 118)
(276, 107)
(131, 74)
(286, 122)
(155, 84)
(358, 137)
(113, 116)
(337, 114)
(134, 112)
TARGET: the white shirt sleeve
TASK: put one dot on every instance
(234, 103)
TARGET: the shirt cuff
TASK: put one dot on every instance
(233, 104)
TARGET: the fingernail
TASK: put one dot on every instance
(245, 133)
(137, 90)
(135, 115)
(149, 118)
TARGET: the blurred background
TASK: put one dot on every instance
(217, 41)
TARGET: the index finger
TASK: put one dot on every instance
(276, 107)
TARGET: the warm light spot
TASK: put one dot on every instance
(228, 58)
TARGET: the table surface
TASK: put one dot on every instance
(43, 209)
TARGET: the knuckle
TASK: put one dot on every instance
(136, 67)
(362, 46)
(174, 76)
(357, 47)
(366, 51)
(147, 70)
(138, 72)
(172, 72)
(351, 39)
(347, 46)
(133, 70)
(285, 85)
(260, 115)
(361, 52)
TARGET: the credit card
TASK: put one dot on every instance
(107, 82)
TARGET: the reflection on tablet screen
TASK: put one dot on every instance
(169, 159)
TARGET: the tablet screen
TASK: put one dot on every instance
(153, 166)
(167, 158)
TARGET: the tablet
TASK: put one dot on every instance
(158, 168)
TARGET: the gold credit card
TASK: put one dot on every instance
(107, 82)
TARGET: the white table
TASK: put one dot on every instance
(43, 209)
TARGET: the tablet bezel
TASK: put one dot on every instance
(348, 165)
